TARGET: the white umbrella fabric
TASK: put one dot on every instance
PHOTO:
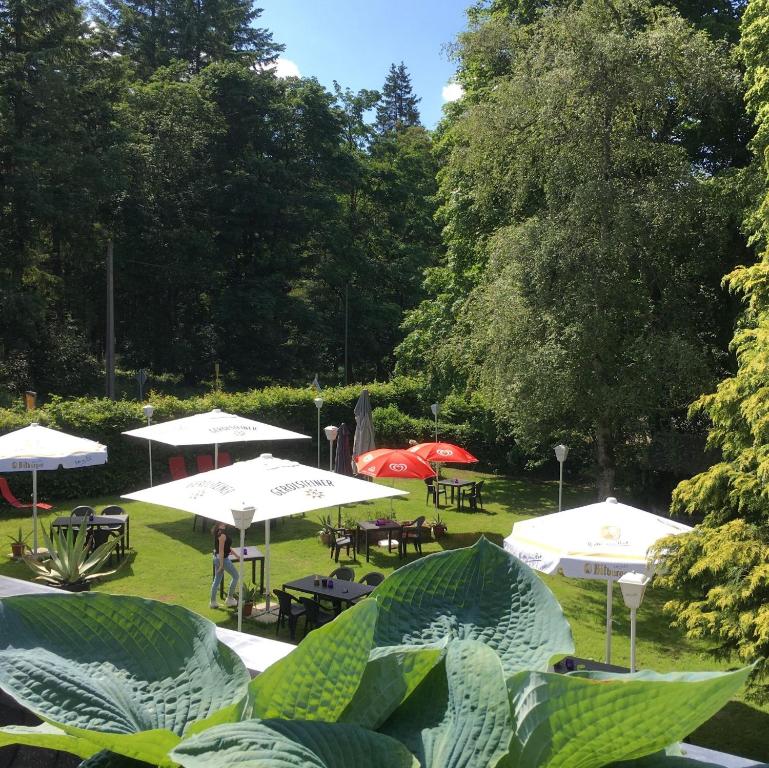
(599, 541)
(34, 448)
(214, 427)
(274, 487)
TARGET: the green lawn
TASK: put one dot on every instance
(172, 563)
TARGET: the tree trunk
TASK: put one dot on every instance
(604, 449)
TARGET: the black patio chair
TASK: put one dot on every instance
(343, 573)
(412, 534)
(314, 615)
(474, 496)
(432, 489)
(373, 578)
(289, 610)
(343, 538)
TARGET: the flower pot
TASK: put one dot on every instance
(439, 531)
(325, 538)
(17, 550)
(247, 608)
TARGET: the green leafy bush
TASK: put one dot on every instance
(447, 665)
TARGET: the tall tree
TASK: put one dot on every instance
(568, 192)
(398, 108)
(720, 573)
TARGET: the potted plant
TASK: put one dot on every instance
(438, 526)
(249, 593)
(326, 532)
(72, 564)
(19, 545)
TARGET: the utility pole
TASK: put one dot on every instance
(110, 347)
(346, 315)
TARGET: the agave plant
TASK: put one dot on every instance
(72, 562)
(446, 665)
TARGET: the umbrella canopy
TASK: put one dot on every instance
(343, 463)
(443, 453)
(275, 487)
(387, 462)
(598, 541)
(364, 431)
(36, 448)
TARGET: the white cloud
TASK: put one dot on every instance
(452, 92)
(286, 68)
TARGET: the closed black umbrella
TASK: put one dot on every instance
(343, 463)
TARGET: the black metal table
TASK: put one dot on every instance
(121, 522)
(253, 554)
(574, 664)
(455, 483)
(388, 526)
(342, 591)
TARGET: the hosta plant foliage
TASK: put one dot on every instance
(447, 665)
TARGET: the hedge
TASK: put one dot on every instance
(401, 410)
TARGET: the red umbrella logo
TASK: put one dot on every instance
(393, 462)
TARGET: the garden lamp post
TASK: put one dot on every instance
(148, 411)
(633, 586)
(331, 433)
(561, 452)
(243, 519)
(435, 408)
(318, 404)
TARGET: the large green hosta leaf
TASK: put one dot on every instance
(127, 674)
(317, 680)
(292, 744)
(592, 719)
(460, 714)
(478, 593)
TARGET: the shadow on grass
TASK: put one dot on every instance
(738, 729)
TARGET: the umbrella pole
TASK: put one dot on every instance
(267, 565)
(609, 595)
(240, 579)
(34, 512)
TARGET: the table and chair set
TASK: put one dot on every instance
(111, 522)
(466, 491)
(322, 598)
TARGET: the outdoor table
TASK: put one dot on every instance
(252, 555)
(341, 591)
(121, 522)
(455, 483)
(574, 663)
(388, 526)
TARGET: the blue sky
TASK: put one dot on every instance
(355, 41)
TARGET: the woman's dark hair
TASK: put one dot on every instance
(219, 527)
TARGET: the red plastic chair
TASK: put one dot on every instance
(205, 462)
(224, 459)
(5, 490)
(177, 467)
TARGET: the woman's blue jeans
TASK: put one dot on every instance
(229, 566)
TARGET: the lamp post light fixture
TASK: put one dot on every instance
(633, 586)
(436, 409)
(318, 404)
(331, 433)
(148, 410)
(561, 452)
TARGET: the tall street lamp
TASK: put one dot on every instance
(633, 586)
(318, 404)
(331, 433)
(561, 452)
(435, 408)
(148, 411)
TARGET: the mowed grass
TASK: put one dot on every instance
(171, 563)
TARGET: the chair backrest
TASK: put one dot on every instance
(429, 481)
(343, 572)
(177, 467)
(312, 609)
(419, 522)
(372, 578)
(284, 600)
(478, 487)
(5, 489)
(205, 462)
(224, 459)
(82, 511)
(112, 509)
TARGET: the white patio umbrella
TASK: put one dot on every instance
(272, 487)
(599, 541)
(215, 427)
(34, 448)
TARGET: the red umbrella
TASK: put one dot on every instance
(393, 462)
(443, 453)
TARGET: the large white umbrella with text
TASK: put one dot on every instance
(34, 448)
(273, 487)
(599, 541)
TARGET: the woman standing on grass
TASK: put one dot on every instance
(222, 562)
